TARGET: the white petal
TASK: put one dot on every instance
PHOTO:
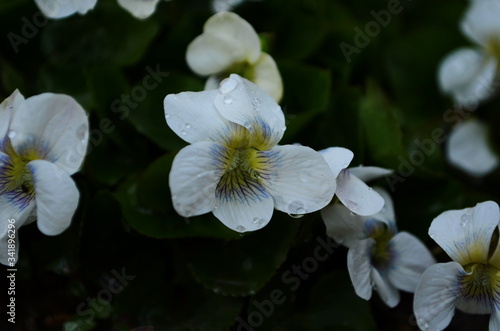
(411, 259)
(56, 197)
(194, 118)
(56, 126)
(367, 174)
(227, 39)
(465, 234)
(360, 268)
(435, 296)
(212, 83)
(7, 109)
(386, 214)
(467, 148)
(10, 211)
(356, 195)
(265, 74)
(388, 293)
(242, 102)
(193, 178)
(495, 320)
(247, 214)
(338, 158)
(298, 179)
(467, 74)
(481, 23)
(61, 9)
(139, 8)
(342, 225)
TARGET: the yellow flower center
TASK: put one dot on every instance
(16, 181)
(480, 284)
(245, 170)
(381, 252)
(494, 49)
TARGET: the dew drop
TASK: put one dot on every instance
(259, 221)
(296, 215)
(167, 115)
(247, 125)
(12, 134)
(256, 103)
(351, 204)
(283, 128)
(228, 85)
(187, 126)
(464, 219)
(183, 132)
(82, 131)
(228, 100)
(240, 228)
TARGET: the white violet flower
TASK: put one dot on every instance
(63, 8)
(379, 257)
(229, 44)
(468, 73)
(351, 189)
(234, 166)
(471, 282)
(43, 140)
(468, 149)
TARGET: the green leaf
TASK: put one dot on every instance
(241, 267)
(303, 102)
(148, 116)
(107, 35)
(383, 133)
(148, 219)
(69, 81)
(335, 305)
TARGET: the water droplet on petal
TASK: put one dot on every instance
(183, 132)
(258, 221)
(283, 128)
(296, 215)
(240, 228)
(228, 100)
(351, 204)
(11, 134)
(465, 219)
(167, 115)
(228, 85)
(255, 103)
(187, 125)
(81, 132)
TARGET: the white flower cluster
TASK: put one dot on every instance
(141, 9)
(235, 168)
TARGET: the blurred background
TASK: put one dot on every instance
(130, 262)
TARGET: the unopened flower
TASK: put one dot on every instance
(351, 188)
(43, 140)
(468, 149)
(471, 282)
(234, 166)
(379, 258)
(468, 73)
(63, 8)
(229, 44)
